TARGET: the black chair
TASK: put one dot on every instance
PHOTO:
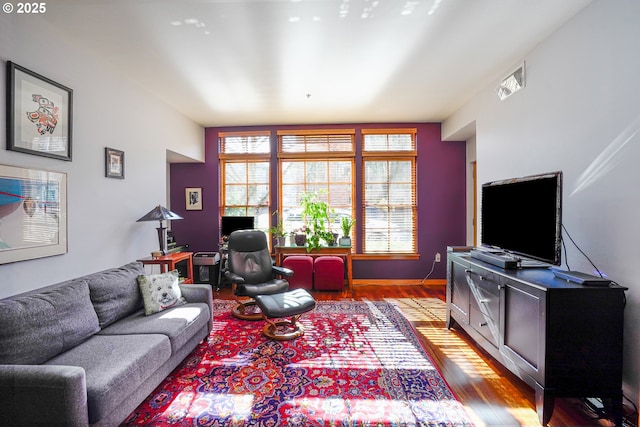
(252, 272)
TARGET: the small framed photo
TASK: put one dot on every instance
(113, 163)
(39, 114)
(193, 199)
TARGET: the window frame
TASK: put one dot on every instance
(307, 156)
(410, 155)
(357, 154)
(247, 159)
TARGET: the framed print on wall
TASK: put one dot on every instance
(33, 213)
(193, 199)
(113, 163)
(39, 114)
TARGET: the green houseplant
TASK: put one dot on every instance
(277, 231)
(346, 224)
(315, 214)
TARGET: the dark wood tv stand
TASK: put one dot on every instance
(561, 338)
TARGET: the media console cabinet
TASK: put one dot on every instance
(561, 338)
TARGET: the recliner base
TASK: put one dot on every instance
(290, 304)
(241, 311)
(283, 329)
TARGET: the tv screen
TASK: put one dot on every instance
(524, 216)
(229, 224)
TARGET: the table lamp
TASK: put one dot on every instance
(160, 213)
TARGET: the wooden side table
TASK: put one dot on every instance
(168, 262)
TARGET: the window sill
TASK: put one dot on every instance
(390, 257)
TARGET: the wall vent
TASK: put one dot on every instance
(511, 84)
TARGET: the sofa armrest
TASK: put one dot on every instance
(43, 394)
(199, 293)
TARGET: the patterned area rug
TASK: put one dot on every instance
(358, 364)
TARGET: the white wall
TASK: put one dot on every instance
(579, 113)
(471, 160)
(109, 111)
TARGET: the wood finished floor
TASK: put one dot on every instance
(492, 395)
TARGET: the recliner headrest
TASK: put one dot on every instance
(247, 241)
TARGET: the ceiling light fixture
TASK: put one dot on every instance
(511, 84)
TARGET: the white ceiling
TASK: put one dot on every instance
(259, 62)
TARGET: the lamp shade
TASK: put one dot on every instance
(158, 214)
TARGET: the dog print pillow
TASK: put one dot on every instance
(160, 291)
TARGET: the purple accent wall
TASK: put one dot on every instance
(441, 169)
(198, 228)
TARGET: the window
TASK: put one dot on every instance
(245, 172)
(389, 212)
(319, 161)
(323, 161)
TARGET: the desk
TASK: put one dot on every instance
(341, 251)
(168, 262)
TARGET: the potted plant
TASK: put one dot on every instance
(299, 236)
(330, 238)
(277, 231)
(315, 214)
(346, 224)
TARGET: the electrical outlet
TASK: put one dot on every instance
(437, 256)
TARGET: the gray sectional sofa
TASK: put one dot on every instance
(83, 352)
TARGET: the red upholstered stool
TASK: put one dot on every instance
(302, 266)
(328, 273)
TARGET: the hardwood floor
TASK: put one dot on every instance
(492, 395)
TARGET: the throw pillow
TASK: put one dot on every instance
(160, 291)
(39, 325)
(114, 292)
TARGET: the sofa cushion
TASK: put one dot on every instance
(160, 291)
(115, 365)
(115, 293)
(38, 326)
(178, 323)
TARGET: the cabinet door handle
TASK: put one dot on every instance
(484, 301)
(482, 324)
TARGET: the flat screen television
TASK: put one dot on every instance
(523, 216)
(229, 224)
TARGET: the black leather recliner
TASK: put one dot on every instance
(252, 272)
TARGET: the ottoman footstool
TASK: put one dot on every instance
(302, 266)
(290, 304)
(328, 272)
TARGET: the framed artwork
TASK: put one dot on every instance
(113, 163)
(39, 114)
(193, 199)
(33, 213)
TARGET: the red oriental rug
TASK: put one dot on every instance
(358, 364)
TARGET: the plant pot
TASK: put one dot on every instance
(335, 239)
(345, 241)
(281, 241)
(331, 239)
(300, 239)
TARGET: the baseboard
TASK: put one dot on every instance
(399, 282)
